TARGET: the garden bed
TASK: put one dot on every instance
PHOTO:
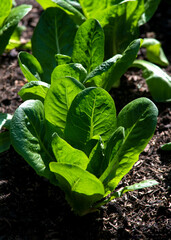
(32, 208)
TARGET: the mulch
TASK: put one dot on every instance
(33, 209)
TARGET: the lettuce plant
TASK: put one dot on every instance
(9, 19)
(77, 141)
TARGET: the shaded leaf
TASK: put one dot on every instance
(4, 141)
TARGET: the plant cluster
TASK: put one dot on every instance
(67, 128)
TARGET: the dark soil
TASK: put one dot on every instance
(32, 209)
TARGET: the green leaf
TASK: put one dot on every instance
(46, 3)
(96, 159)
(53, 34)
(166, 147)
(92, 113)
(10, 24)
(150, 6)
(108, 74)
(137, 186)
(155, 52)
(62, 59)
(28, 137)
(4, 141)
(89, 45)
(30, 67)
(5, 8)
(82, 189)
(76, 15)
(74, 70)
(14, 41)
(139, 119)
(5, 119)
(59, 98)
(159, 82)
(64, 153)
(34, 90)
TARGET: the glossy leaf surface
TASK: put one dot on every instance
(92, 113)
(53, 34)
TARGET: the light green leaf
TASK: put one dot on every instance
(150, 6)
(137, 186)
(76, 15)
(14, 41)
(34, 90)
(53, 34)
(74, 70)
(82, 189)
(4, 141)
(159, 82)
(28, 137)
(5, 119)
(30, 67)
(166, 147)
(139, 119)
(46, 3)
(92, 113)
(62, 59)
(65, 153)
(10, 24)
(59, 98)
(89, 45)
(5, 8)
(155, 52)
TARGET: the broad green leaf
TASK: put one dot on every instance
(10, 24)
(62, 59)
(82, 189)
(5, 119)
(34, 90)
(166, 147)
(65, 153)
(5, 8)
(92, 113)
(139, 119)
(59, 98)
(74, 70)
(108, 74)
(158, 81)
(76, 15)
(53, 34)
(89, 45)
(96, 159)
(28, 137)
(4, 141)
(150, 6)
(155, 52)
(30, 67)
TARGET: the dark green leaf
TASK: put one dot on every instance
(166, 147)
(4, 141)
(28, 137)
(53, 34)
(139, 119)
(5, 119)
(30, 67)
(89, 45)
(92, 113)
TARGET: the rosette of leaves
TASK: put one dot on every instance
(75, 139)
(9, 19)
